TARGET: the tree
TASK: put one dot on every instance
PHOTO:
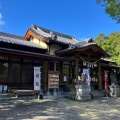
(112, 7)
(111, 44)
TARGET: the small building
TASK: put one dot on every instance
(57, 54)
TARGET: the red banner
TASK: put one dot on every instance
(105, 79)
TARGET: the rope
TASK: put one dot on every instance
(89, 62)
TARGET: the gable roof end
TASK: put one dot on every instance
(52, 35)
(17, 40)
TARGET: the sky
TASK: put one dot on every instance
(80, 18)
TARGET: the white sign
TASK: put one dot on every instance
(5, 87)
(0, 88)
(87, 71)
(65, 78)
(37, 78)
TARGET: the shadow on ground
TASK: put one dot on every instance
(61, 109)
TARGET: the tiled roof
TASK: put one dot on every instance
(82, 44)
(11, 35)
(52, 35)
(18, 40)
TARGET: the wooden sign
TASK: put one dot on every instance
(53, 79)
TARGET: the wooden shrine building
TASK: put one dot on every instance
(56, 53)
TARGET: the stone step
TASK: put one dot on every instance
(4, 95)
(7, 97)
(98, 93)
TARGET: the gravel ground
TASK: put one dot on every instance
(61, 109)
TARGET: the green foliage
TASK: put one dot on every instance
(111, 44)
(112, 7)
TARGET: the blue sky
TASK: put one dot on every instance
(79, 18)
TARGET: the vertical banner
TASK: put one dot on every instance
(87, 71)
(37, 78)
(105, 79)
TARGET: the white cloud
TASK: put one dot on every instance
(1, 21)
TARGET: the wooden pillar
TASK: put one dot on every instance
(45, 74)
(55, 65)
(99, 76)
(77, 71)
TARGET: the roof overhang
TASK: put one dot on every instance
(92, 49)
(13, 52)
(110, 66)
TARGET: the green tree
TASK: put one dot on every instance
(112, 7)
(111, 44)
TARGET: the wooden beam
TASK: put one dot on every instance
(13, 52)
(55, 65)
(109, 66)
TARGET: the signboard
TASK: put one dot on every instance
(105, 79)
(37, 78)
(87, 71)
(53, 80)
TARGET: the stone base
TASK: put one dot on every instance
(82, 90)
(83, 98)
(115, 91)
(55, 93)
(82, 93)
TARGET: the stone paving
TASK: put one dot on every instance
(60, 109)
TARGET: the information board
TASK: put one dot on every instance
(53, 80)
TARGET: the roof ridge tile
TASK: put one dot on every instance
(54, 32)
